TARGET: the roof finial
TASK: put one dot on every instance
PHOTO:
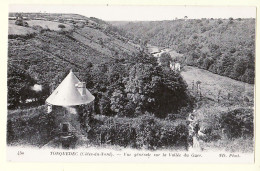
(70, 70)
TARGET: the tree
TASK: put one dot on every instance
(207, 63)
(19, 83)
(104, 105)
(239, 68)
(142, 58)
(165, 59)
(172, 93)
(19, 20)
(99, 77)
(140, 86)
(155, 90)
(62, 26)
(118, 101)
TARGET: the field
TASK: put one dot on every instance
(20, 30)
(209, 111)
(211, 84)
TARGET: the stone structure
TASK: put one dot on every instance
(70, 103)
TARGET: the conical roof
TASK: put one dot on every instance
(68, 94)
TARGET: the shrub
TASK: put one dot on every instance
(24, 37)
(210, 135)
(25, 24)
(61, 26)
(145, 131)
(116, 132)
(19, 22)
(238, 123)
(38, 28)
(104, 105)
(33, 127)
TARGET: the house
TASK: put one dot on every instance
(67, 103)
(175, 66)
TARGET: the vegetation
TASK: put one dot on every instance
(61, 26)
(30, 127)
(238, 123)
(138, 103)
(222, 46)
(145, 87)
(145, 131)
(214, 87)
(44, 54)
(224, 112)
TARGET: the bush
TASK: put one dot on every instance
(104, 105)
(113, 131)
(238, 123)
(210, 135)
(21, 23)
(145, 131)
(61, 26)
(25, 24)
(40, 28)
(24, 37)
(32, 127)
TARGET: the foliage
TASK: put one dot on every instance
(61, 26)
(165, 59)
(125, 81)
(145, 131)
(238, 123)
(205, 43)
(31, 126)
(17, 81)
(129, 88)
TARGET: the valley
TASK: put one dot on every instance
(138, 103)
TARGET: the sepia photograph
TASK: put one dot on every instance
(131, 83)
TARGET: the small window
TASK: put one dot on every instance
(49, 108)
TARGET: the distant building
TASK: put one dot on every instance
(175, 66)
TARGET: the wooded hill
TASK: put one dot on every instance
(125, 80)
(51, 44)
(222, 46)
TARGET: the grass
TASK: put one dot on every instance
(238, 145)
(35, 111)
(211, 84)
(209, 110)
(20, 30)
(48, 24)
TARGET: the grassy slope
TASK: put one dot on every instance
(20, 30)
(208, 111)
(49, 53)
(211, 84)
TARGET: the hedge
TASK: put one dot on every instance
(145, 131)
(238, 123)
(31, 127)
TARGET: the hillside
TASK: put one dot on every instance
(222, 46)
(231, 91)
(51, 45)
(223, 100)
(138, 103)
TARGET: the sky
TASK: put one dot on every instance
(141, 13)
